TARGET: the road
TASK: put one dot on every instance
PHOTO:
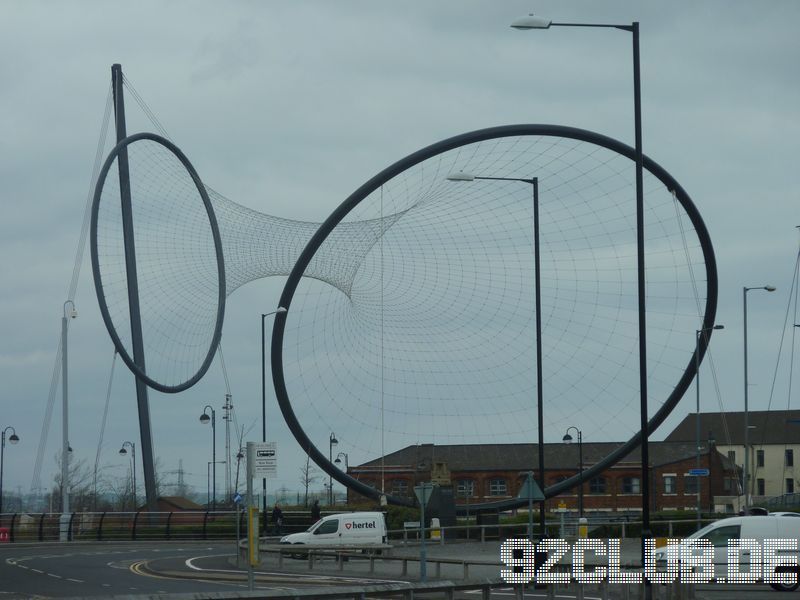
(111, 569)
(156, 568)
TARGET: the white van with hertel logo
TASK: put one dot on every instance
(345, 529)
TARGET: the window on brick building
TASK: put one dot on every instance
(690, 483)
(597, 485)
(498, 487)
(760, 487)
(670, 484)
(631, 485)
(399, 487)
(759, 458)
(789, 457)
(465, 488)
(789, 485)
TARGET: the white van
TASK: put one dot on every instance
(749, 527)
(362, 529)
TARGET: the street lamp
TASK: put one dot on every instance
(204, 418)
(534, 183)
(567, 439)
(338, 460)
(123, 452)
(12, 439)
(697, 333)
(332, 441)
(768, 288)
(533, 22)
(67, 314)
(280, 309)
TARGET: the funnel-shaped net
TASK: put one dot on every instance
(434, 341)
(177, 264)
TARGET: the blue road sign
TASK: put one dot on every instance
(237, 498)
(699, 472)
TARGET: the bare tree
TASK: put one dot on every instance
(308, 475)
(81, 485)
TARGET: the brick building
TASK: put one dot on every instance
(487, 472)
(773, 442)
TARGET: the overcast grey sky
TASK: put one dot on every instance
(287, 107)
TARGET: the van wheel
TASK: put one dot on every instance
(786, 587)
(298, 555)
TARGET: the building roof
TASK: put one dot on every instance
(524, 457)
(766, 427)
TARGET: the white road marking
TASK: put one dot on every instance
(75, 580)
(54, 575)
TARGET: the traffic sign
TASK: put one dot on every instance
(262, 460)
(423, 493)
(530, 490)
(699, 472)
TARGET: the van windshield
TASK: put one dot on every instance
(329, 526)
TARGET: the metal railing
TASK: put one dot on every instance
(117, 526)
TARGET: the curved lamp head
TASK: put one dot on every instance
(770, 288)
(13, 438)
(204, 418)
(338, 461)
(531, 22)
(460, 176)
(122, 451)
(567, 439)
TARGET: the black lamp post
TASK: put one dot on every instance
(204, 418)
(533, 22)
(332, 441)
(280, 309)
(12, 439)
(768, 288)
(697, 334)
(567, 439)
(534, 183)
(123, 452)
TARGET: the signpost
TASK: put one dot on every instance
(423, 493)
(531, 491)
(262, 463)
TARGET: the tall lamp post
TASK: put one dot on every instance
(280, 309)
(12, 439)
(567, 439)
(123, 452)
(70, 313)
(332, 441)
(204, 418)
(697, 333)
(534, 183)
(768, 288)
(533, 22)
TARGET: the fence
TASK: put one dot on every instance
(207, 525)
(597, 529)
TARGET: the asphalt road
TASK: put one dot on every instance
(155, 568)
(102, 570)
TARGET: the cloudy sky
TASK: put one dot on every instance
(287, 107)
